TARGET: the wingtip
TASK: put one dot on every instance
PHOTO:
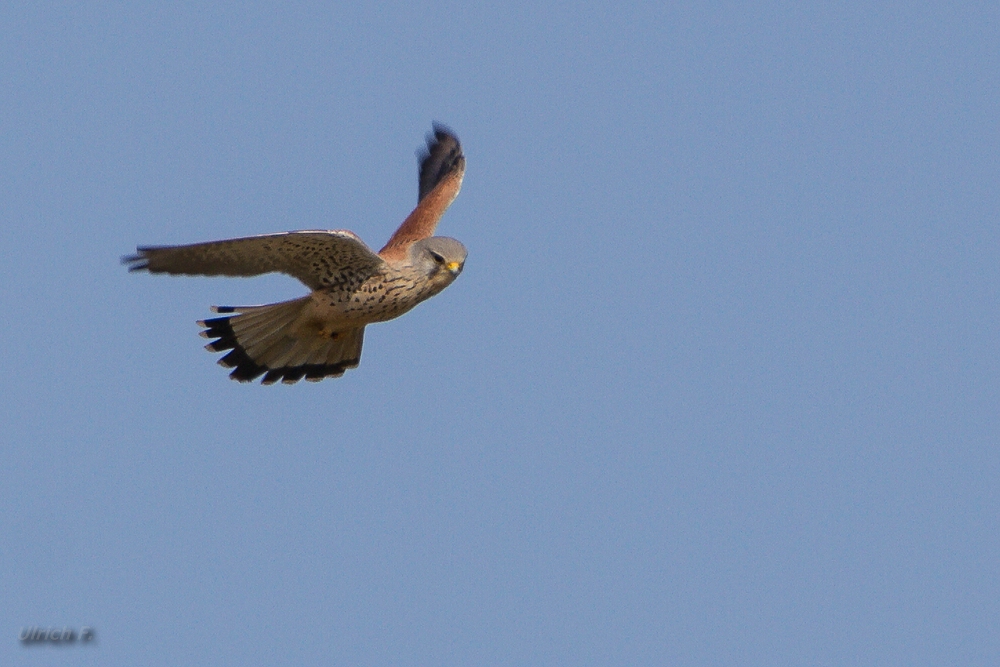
(135, 262)
(441, 131)
(440, 158)
(440, 134)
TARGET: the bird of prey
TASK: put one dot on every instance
(319, 335)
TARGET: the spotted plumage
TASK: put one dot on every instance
(320, 335)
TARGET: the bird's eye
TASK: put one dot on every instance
(437, 258)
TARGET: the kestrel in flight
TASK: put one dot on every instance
(320, 335)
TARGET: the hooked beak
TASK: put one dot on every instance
(454, 268)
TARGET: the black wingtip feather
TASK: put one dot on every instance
(442, 156)
(246, 369)
(135, 262)
(294, 374)
(220, 328)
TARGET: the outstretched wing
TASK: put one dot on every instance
(317, 258)
(265, 339)
(442, 167)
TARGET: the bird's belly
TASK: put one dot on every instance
(364, 306)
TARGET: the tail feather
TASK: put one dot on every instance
(319, 354)
(270, 341)
(283, 356)
(278, 353)
(261, 327)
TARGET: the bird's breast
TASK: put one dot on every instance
(378, 299)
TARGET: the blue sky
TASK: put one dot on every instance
(718, 385)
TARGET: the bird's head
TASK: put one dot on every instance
(439, 258)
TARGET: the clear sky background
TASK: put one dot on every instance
(718, 386)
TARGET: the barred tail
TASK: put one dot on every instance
(271, 341)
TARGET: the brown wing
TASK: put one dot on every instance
(317, 258)
(442, 167)
(266, 339)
